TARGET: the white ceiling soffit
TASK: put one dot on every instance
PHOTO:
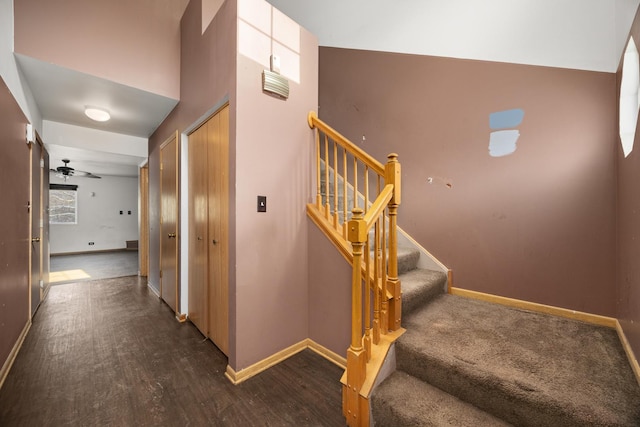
(62, 94)
(577, 34)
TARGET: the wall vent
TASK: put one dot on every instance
(274, 83)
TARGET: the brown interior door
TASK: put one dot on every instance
(218, 167)
(36, 225)
(198, 234)
(169, 222)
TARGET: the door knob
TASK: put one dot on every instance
(199, 237)
(215, 242)
(35, 239)
(170, 235)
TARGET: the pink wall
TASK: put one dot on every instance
(329, 293)
(208, 77)
(273, 158)
(628, 267)
(270, 155)
(136, 43)
(537, 225)
(14, 223)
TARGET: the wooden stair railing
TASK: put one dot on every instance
(342, 167)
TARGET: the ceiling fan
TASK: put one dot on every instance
(67, 171)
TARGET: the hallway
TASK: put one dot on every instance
(108, 352)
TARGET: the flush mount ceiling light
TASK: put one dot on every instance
(97, 114)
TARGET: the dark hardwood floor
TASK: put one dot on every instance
(108, 352)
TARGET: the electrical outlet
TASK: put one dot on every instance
(120, 212)
(91, 243)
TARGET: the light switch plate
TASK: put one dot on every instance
(262, 203)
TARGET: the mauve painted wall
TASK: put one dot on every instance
(208, 77)
(274, 147)
(14, 223)
(537, 225)
(628, 277)
(329, 293)
(136, 43)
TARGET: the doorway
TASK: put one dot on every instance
(36, 261)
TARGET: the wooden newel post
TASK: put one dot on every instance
(356, 357)
(393, 176)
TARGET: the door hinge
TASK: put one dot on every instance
(161, 166)
(160, 273)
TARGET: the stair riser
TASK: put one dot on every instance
(506, 401)
(412, 304)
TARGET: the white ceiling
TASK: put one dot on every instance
(577, 34)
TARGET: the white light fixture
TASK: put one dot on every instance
(97, 114)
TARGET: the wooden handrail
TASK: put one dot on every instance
(315, 123)
(378, 206)
(375, 287)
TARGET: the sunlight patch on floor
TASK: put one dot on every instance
(63, 276)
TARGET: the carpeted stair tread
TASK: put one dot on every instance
(403, 400)
(527, 368)
(407, 259)
(419, 286)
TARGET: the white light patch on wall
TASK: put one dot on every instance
(254, 44)
(629, 97)
(289, 62)
(256, 13)
(286, 31)
(503, 142)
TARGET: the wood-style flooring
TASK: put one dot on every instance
(92, 266)
(109, 353)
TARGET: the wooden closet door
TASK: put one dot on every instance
(169, 222)
(198, 234)
(218, 158)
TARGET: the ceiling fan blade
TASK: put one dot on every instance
(84, 174)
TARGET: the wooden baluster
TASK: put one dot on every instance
(345, 197)
(356, 356)
(327, 183)
(355, 182)
(367, 294)
(377, 274)
(336, 197)
(384, 307)
(393, 176)
(376, 284)
(319, 184)
(366, 188)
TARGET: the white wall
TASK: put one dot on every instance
(99, 218)
(9, 70)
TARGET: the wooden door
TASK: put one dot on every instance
(169, 222)
(208, 228)
(218, 200)
(44, 245)
(198, 235)
(143, 247)
(37, 167)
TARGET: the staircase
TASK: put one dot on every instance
(460, 362)
(464, 362)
